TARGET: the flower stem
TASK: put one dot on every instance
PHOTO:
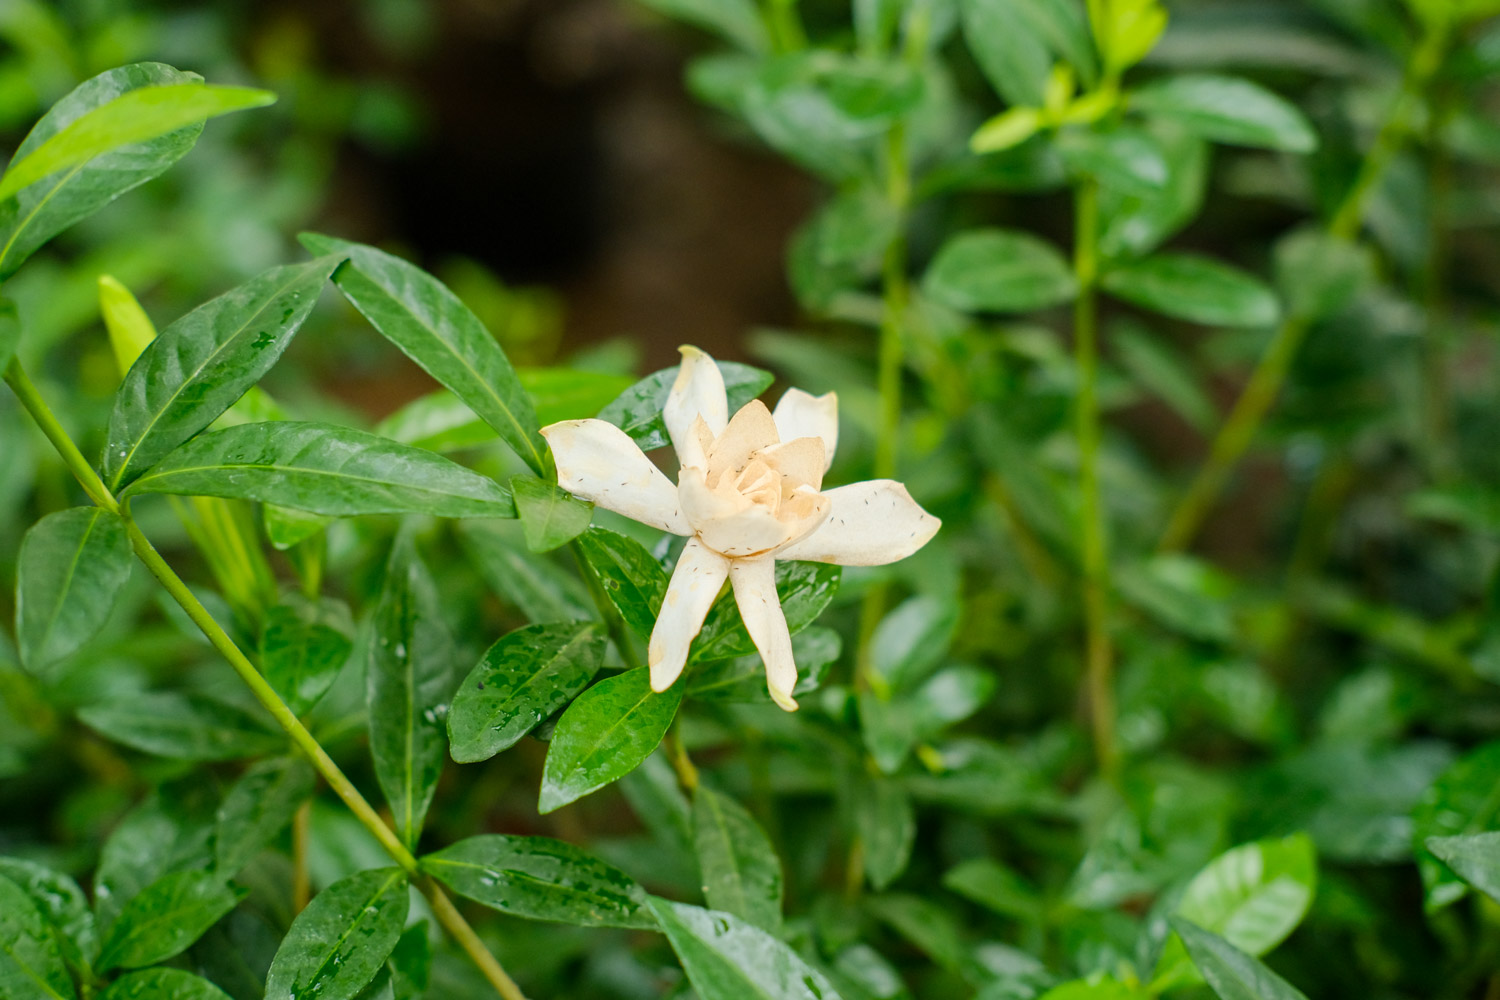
(1093, 539)
(1270, 373)
(304, 740)
(687, 773)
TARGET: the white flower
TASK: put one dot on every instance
(750, 492)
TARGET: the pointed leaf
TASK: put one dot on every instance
(1228, 109)
(432, 326)
(165, 917)
(887, 826)
(540, 879)
(637, 410)
(634, 582)
(303, 646)
(741, 872)
(182, 727)
(1462, 800)
(1194, 288)
(805, 590)
(522, 679)
(336, 945)
(256, 808)
(71, 568)
(604, 735)
(727, 959)
(324, 469)
(162, 984)
(551, 517)
(999, 270)
(1233, 974)
(64, 905)
(1474, 856)
(31, 967)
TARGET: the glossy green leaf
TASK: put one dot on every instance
(256, 808)
(551, 517)
(10, 332)
(1228, 109)
(1134, 223)
(728, 959)
(324, 469)
(165, 917)
(432, 326)
(1461, 801)
(31, 966)
(604, 735)
(303, 646)
(741, 872)
(182, 727)
(134, 117)
(1127, 160)
(540, 879)
(410, 963)
(999, 270)
(1008, 50)
(409, 677)
(1475, 857)
(637, 410)
(997, 888)
(1253, 896)
(1231, 973)
(539, 589)
(887, 827)
(70, 570)
(912, 640)
(152, 839)
(196, 368)
(634, 582)
(62, 903)
(805, 590)
(743, 678)
(336, 945)
(522, 679)
(42, 210)
(162, 984)
(1194, 288)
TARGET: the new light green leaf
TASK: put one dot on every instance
(728, 959)
(324, 469)
(432, 326)
(196, 368)
(1228, 109)
(31, 966)
(521, 680)
(70, 570)
(550, 516)
(1194, 288)
(165, 918)
(336, 945)
(741, 872)
(133, 117)
(604, 735)
(162, 984)
(40, 211)
(541, 879)
(407, 684)
(1231, 973)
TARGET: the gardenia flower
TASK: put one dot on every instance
(750, 492)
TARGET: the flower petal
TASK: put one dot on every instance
(800, 460)
(599, 462)
(870, 524)
(754, 582)
(698, 391)
(750, 430)
(695, 583)
(801, 414)
(730, 524)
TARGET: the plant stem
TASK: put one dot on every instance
(301, 884)
(1093, 539)
(687, 773)
(450, 918)
(1270, 373)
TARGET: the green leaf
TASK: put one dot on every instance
(887, 827)
(999, 270)
(410, 963)
(741, 872)
(408, 680)
(151, 840)
(64, 906)
(1135, 223)
(196, 368)
(31, 966)
(70, 570)
(1194, 288)
(521, 680)
(1096, 987)
(10, 333)
(303, 646)
(634, 582)
(1127, 160)
(727, 959)
(604, 735)
(1253, 895)
(162, 984)
(130, 329)
(912, 640)
(324, 469)
(182, 727)
(1008, 50)
(1475, 857)
(1228, 109)
(551, 517)
(134, 117)
(637, 410)
(538, 588)
(736, 21)
(540, 879)
(41, 211)
(1233, 974)
(432, 326)
(1461, 801)
(1159, 369)
(165, 917)
(1319, 274)
(256, 808)
(804, 589)
(336, 945)
(996, 887)
(744, 677)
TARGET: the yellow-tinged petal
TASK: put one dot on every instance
(754, 582)
(695, 583)
(599, 462)
(750, 430)
(800, 460)
(870, 524)
(697, 392)
(801, 414)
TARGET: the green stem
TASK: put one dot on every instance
(451, 919)
(1093, 539)
(687, 773)
(1270, 373)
